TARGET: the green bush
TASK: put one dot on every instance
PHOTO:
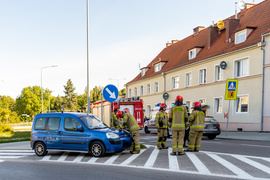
(5, 128)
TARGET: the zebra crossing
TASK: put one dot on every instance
(201, 163)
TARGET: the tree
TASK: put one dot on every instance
(57, 104)
(29, 102)
(122, 91)
(95, 94)
(70, 98)
(7, 112)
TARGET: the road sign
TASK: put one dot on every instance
(110, 93)
(231, 89)
(165, 96)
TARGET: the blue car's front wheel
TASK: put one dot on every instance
(97, 149)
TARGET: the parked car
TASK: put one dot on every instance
(76, 131)
(211, 127)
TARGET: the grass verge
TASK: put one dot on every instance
(7, 137)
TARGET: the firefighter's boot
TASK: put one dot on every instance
(173, 153)
(181, 153)
(164, 147)
(135, 152)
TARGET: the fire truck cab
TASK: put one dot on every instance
(132, 106)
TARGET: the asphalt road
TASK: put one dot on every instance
(218, 159)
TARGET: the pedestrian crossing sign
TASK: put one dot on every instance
(231, 89)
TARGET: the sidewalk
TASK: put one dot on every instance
(264, 136)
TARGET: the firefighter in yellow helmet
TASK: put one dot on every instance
(161, 121)
(133, 127)
(178, 120)
(196, 128)
(115, 121)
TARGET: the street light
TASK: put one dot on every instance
(117, 81)
(41, 85)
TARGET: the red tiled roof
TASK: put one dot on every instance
(177, 54)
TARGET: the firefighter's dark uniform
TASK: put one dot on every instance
(178, 124)
(196, 120)
(131, 124)
(161, 121)
(116, 122)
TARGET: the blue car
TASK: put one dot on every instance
(76, 131)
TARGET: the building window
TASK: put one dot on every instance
(135, 92)
(188, 104)
(218, 73)
(157, 67)
(143, 72)
(175, 82)
(148, 110)
(148, 89)
(192, 53)
(141, 90)
(188, 79)
(202, 76)
(218, 105)
(156, 87)
(240, 37)
(129, 93)
(202, 101)
(241, 104)
(241, 68)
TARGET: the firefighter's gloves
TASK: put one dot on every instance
(160, 122)
(124, 124)
(170, 120)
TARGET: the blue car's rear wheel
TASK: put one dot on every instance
(97, 149)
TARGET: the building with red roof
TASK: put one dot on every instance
(192, 68)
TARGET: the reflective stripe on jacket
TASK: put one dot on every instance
(196, 119)
(161, 116)
(178, 114)
(130, 122)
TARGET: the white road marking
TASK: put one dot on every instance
(92, 160)
(17, 151)
(46, 158)
(112, 159)
(173, 162)
(239, 172)
(255, 145)
(152, 158)
(17, 154)
(79, 157)
(197, 163)
(253, 163)
(10, 157)
(63, 157)
(132, 157)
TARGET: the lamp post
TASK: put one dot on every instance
(41, 85)
(117, 81)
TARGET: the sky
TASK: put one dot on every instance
(123, 36)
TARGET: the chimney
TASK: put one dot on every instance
(230, 25)
(174, 41)
(198, 29)
(168, 44)
(212, 35)
(249, 5)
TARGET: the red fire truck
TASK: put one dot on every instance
(132, 106)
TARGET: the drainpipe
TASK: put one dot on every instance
(164, 78)
(262, 44)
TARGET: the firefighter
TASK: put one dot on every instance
(161, 121)
(186, 138)
(115, 121)
(196, 128)
(133, 127)
(178, 119)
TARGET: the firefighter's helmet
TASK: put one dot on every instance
(116, 107)
(196, 104)
(163, 105)
(119, 114)
(180, 98)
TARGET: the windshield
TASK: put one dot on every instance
(92, 122)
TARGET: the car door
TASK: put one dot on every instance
(53, 133)
(72, 139)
